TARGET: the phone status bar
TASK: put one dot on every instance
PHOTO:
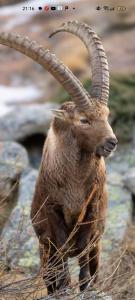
(60, 8)
(49, 8)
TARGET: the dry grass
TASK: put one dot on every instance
(14, 284)
(117, 281)
(121, 268)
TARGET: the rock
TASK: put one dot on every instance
(116, 222)
(14, 154)
(18, 235)
(94, 295)
(26, 121)
(9, 186)
(129, 180)
(115, 178)
(88, 294)
(13, 160)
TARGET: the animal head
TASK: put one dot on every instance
(87, 115)
(90, 128)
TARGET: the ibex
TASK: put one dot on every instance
(71, 187)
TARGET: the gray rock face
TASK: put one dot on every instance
(9, 186)
(94, 295)
(115, 179)
(13, 160)
(14, 154)
(129, 180)
(70, 294)
(18, 234)
(25, 121)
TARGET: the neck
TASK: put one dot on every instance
(65, 151)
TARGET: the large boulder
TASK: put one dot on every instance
(13, 161)
(14, 154)
(119, 208)
(118, 216)
(18, 235)
(9, 186)
(25, 121)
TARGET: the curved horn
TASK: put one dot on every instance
(99, 65)
(51, 63)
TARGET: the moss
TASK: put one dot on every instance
(121, 103)
(61, 96)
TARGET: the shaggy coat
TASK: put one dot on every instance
(71, 167)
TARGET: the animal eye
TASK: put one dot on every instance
(84, 121)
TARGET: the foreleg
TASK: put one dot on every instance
(54, 257)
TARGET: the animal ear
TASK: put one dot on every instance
(59, 113)
(99, 64)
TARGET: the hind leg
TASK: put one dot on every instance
(63, 276)
(94, 261)
(84, 275)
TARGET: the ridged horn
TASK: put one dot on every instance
(51, 63)
(98, 60)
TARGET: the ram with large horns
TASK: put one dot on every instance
(69, 205)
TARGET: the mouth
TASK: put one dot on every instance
(109, 150)
(106, 150)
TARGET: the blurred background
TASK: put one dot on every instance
(116, 30)
(27, 94)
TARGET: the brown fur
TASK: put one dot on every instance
(72, 164)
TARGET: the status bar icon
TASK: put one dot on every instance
(53, 7)
(121, 8)
(98, 8)
(46, 8)
(106, 7)
(59, 7)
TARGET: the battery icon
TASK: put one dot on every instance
(121, 8)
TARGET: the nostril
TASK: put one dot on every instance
(115, 141)
(112, 141)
